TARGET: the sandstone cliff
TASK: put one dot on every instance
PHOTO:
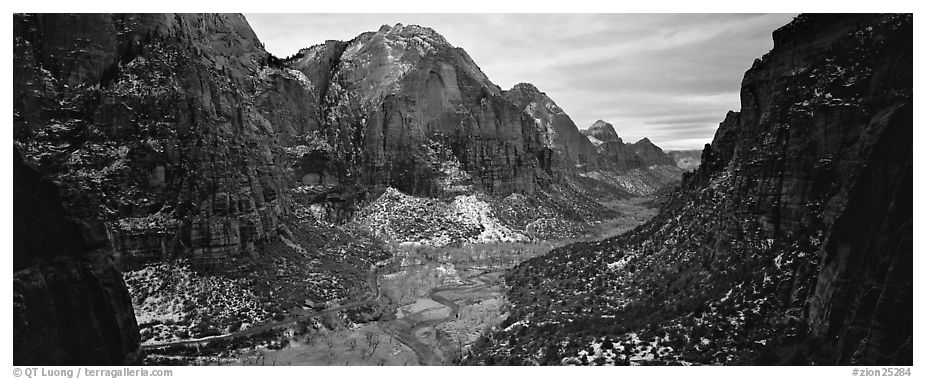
(650, 154)
(572, 151)
(70, 304)
(823, 140)
(615, 154)
(162, 125)
(401, 105)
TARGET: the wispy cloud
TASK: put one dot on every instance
(669, 77)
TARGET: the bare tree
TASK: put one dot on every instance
(374, 345)
(370, 337)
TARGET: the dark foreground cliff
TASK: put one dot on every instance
(172, 138)
(158, 124)
(70, 304)
(792, 244)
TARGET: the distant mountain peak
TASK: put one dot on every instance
(524, 86)
(602, 131)
(376, 62)
(644, 141)
(401, 31)
(386, 28)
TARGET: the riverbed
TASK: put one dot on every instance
(441, 304)
(440, 300)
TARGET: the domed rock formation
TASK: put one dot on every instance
(601, 132)
(650, 154)
(387, 97)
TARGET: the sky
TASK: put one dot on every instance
(669, 77)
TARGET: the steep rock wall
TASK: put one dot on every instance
(823, 141)
(572, 151)
(169, 128)
(388, 97)
(791, 244)
(70, 304)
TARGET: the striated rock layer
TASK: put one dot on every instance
(161, 124)
(70, 304)
(389, 98)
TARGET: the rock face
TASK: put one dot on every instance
(572, 151)
(635, 169)
(616, 155)
(70, 304)
(791, 244)
(601, 132)
(395, 99)
(612, 150)
(650, 154)
(839, 124)
(162, 126)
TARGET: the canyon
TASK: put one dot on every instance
(761, 256)
(221, 205)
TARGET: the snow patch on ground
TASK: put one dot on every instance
(473, 211)
(172, 302)
(411, 220)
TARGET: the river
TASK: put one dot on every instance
(440, 301)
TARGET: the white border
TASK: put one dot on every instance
(469, 6)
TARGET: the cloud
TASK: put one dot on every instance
(669, 77)
(681, 120)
